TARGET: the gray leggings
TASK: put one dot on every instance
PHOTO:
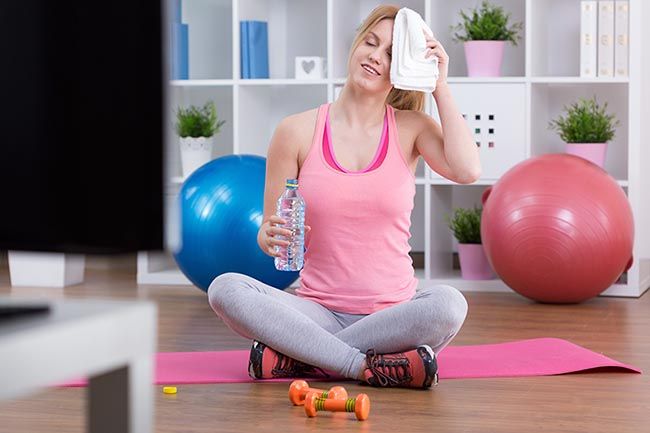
(309, 332)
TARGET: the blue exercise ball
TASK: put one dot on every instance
(221, 205)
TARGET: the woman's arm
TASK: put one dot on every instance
(449, 149)
(461, 151)
(452, 154)
(281, 164)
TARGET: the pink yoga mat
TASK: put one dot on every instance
(536, 357)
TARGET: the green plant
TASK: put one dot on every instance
(489, 23)
(466, 225)
(198, 121)
(585, 122)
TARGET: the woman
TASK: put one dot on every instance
(356, 312)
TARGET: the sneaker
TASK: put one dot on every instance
(266, 363)
(416, 368)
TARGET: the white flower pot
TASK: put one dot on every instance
(37, 269)
(195, 151)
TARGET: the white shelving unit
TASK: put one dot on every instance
(540, 77)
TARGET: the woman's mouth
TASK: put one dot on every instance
(370, 69)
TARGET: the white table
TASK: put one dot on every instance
(110, 342)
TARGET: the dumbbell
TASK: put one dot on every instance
(299, 389)
(359, 405)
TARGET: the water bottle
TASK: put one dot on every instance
(291, 208)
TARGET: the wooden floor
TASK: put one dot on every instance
(594, 402)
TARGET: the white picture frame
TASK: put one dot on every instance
(309, 68)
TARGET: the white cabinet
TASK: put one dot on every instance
(496, 114)
(540, 77)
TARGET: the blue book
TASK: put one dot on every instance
(258, 49)
(178, 42)
(243, 54)
(184, 52)
(180, 51)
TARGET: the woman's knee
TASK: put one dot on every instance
(449, 305)
(222, 288)
(459, 306)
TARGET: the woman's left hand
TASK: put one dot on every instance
(435, 48)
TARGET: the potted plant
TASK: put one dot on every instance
(586, 129)
(466, 226)
(196, 127)
(484, 33)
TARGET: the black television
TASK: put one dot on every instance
(81, 125)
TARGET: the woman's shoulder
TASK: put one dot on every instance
(301, 123)
(411, 122)
(294, 133)
(304, 119)
(410, 118)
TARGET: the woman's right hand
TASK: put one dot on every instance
(266, 237)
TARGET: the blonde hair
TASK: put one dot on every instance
(397, 98)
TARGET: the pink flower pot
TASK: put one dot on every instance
(594, 152)
(484, 58)
(474, 264)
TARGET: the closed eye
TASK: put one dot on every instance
(373, 45)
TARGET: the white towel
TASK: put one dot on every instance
(409, 70)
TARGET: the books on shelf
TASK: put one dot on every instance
(604, 38)
(588, 38)
(243, 55)
(179, 50)
(180, 63)
(621, 32)
(254, 49)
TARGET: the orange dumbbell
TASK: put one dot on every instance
(360, 405)
(299, 389)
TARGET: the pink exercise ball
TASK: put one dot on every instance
(557, 229)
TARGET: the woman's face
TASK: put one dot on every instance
(370, 62)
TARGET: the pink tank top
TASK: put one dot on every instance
(328, 148)
(357, 259)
